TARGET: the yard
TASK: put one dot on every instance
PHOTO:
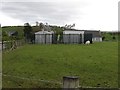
(35, 65)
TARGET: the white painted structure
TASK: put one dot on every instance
(44, 37)
(73, 32)
(97, 39)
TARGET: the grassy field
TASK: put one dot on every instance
(95, 64)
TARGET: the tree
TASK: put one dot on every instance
(41, 25)
(5, 36)
(114, 37)
(27, 32)
(103, 38)
(37, 23)
(70, 26)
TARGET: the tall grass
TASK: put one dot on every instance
(95, 64)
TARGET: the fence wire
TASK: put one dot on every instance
(25, 78)
(9, 45)
(47, 81)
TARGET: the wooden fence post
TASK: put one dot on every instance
(70, 82)
(2, 45)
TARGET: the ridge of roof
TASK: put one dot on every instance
(79, 30)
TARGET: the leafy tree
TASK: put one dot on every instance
(41, 25)
(4, 33)
(58, 33)
(37, 23)
(5, 36)
(114, 37)
(27, 32)
(103, 38)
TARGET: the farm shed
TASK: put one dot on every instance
(81, 36)
(73, 36)
(44, 37)
(96, 35)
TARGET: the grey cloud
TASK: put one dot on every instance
(51, 12)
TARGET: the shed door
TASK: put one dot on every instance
(88, 37)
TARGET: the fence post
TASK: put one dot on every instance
(2, 45)
(70, 82)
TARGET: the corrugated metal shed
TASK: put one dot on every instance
(44, 37)
(91, 35)
(72, 36)
(96, 35)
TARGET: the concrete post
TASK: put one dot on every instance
(70, 82)
(83, 38)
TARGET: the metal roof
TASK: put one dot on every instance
(44, 32)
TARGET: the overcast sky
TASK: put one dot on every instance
(86, 14)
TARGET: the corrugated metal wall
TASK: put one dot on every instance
(43, 38)
(72, 38)
(65, 38)
(52, 38)
(68, 37)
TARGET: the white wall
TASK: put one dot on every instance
(73, 32)
(97, 39)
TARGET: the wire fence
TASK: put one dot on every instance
(10, 45)
(33, 79)
(60, 83)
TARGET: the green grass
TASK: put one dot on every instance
(94, 64)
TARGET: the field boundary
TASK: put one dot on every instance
(25, 78)
(11, 45)
(48, 81)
